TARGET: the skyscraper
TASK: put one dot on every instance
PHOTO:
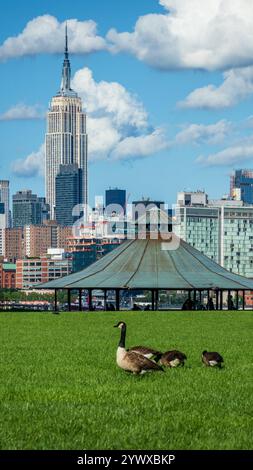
(5, 199)
(66, 138)
(68, 193)
(241, 186)
(27, 209)
(115, 196)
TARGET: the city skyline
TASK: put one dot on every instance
(181, 121)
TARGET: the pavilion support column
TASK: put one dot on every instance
(80, 300)
(156, 299)
(229, 293)
(105, 298)
(243, 299)
(69, 300)
(194, 298)
(221, 300)
(153, 299)
(117, 293)
(237, 300)
(90, 299)
(217, 299)
(55, 301)
(200, 296)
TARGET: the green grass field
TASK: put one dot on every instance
(60, 387)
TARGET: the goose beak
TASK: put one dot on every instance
(115, 326)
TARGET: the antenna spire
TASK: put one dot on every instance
(66, 70)
(66, 41)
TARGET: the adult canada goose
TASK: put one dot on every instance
(173, 358)
(212, 359)
(130, 360)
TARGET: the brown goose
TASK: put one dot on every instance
(173, 358)
(147, 352)
(212, 359)
(130, 360)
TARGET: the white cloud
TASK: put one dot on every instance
(21, 112)
(140, 146)
(195, 34)
(103, 137)
(111, 99)
(32, 165)
(236, 86)
(230, 156)
(211, 134)
(45, 34)
(117, 125)
(113, 116)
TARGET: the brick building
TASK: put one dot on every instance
(33, 271)
(14, 247)
(7, 275)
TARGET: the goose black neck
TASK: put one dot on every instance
(122, 340)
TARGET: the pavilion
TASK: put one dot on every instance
(154, 265)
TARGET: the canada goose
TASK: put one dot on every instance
(173, 359)
(132, 361)
(212, 359)
(147, 352)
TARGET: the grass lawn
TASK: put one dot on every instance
(60, 387)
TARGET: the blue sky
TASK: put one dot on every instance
(182, 78)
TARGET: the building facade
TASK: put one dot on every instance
(89, 251)
(5, 199)
(241, 186)
(14, 244)
(27, 209)
(68, 193)
(31, 272)
(39, 239)
(66, 137)
(7, 275)
(222, 230)
(115, 197)
(2, 231)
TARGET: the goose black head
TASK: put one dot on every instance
(120, 325)
(203, 353)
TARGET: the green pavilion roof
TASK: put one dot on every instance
(152, 264)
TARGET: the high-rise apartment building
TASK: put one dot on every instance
(13, 244)
(5, 199)
(2, 232)
(27, 209)
(222, 230)
(241, 186)
(68, 193)
(39, 239)
(66, 137)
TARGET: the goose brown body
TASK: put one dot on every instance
(130, 360)
(212, 359)
(147, 352)
(173, 358)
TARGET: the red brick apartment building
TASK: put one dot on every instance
(7, 276)
(13, 244)
(33, 241)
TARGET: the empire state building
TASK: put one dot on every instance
(66, 137)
